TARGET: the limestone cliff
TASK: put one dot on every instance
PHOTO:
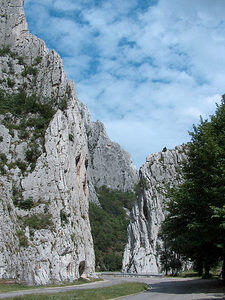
(44, 226)
(159, 171)
(109, 164)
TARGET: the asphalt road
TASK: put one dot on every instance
(160, 288)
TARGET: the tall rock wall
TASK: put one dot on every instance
(159, 171)
(44, 226)
(109, 164)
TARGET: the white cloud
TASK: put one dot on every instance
(148, 74)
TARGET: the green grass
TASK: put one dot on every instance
(111, 292)
(185, 274)
(10, 287)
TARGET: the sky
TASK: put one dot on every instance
(146, 69)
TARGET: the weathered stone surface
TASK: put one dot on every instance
(31, 252)
(159, 171)
(109, 164)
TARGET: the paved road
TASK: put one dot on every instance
(182, 289)
(161, 289)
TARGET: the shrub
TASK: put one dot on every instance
(4, 51)
(63, 216)
(23, 241)
(63, 103)
(10, 82)
(71, 137)
(37, 222)
(37, 60)
(20, 60)
(3, 158)
(2, 170)
(21, 165)
(26, 204)
(32, 154)
(29, 70)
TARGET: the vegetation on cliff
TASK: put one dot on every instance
(195, 224)
(109, 227)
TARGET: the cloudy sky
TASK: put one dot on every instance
(147, 69)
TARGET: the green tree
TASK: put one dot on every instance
(109, 227)
(194, 226)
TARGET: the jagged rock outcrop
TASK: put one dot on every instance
(159, 171)
(44, 226)
(109, 164)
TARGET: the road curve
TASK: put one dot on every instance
(160, 288)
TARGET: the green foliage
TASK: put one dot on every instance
(170, 261)
(26, 204)
(10, 82)
(111, 292)
(23, 241)
(4, 51)
(3, 161)
(39, 221)
(32, 155)
(30, 116)
(63, 103)
(1, 138)
(109, 227)
(2, 170)
(3, 158)
(37, 60)
(20, 60)
(21, 165)
(29, 70)
(71, 137)
(194, 226)
(63, 216)
(141, 185)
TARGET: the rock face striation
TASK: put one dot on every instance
(52, 157)
(159, 171)
(109, 164)
(44, 226)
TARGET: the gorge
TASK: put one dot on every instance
(53, 160)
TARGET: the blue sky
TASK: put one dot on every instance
(147, 69)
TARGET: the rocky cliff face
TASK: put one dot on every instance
(109, 164)
(44, 226)
(159, 171)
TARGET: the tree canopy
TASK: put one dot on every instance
(195, 224)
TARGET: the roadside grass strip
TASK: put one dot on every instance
(12, 287)
(111, 292)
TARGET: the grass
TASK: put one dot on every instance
(10, 287)
(111, 292)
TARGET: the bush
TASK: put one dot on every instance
(4, 51)
(37, 222)
(63, 216)
(16, 108)
(26, 204)
(37, 60)
(10, 83)
(29, 70)
(71, 137)
(21, 165)
(3, 158)
(22, 238)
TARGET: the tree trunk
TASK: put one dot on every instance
(199, 268)
(207, 270)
